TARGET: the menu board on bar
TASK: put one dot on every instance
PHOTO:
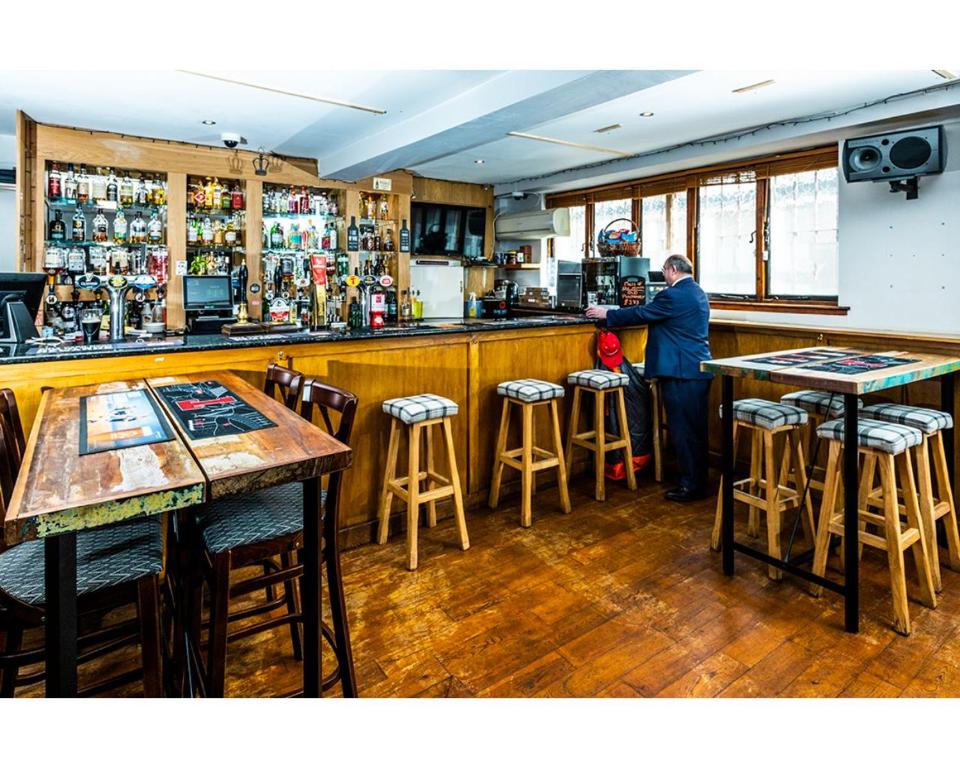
(115, 420)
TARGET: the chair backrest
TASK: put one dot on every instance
(8, 469)
(288, 381)
(13, 445)
(327, 399)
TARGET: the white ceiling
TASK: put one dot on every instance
(438, 122)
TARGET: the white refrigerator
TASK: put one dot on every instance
(440, 282)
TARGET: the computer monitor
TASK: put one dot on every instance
(207, 293)
(20, 297)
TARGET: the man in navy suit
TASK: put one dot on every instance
(677, 341)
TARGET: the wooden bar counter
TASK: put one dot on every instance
(462, 360)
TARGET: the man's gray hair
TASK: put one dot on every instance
(679, 263)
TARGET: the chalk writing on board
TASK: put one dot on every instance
(633, 291)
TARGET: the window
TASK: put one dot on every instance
(571, 248)
(803, 258)
(726, 250)
(607, 212)
(664, 224)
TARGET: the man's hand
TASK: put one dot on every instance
(597, 313)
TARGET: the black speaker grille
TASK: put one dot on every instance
(911, 152)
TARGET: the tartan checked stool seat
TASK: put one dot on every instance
(772, 487)
(659, 424)
(935, 504)
(886, 447)
(528, 459)
(600, 383)
(420, 413)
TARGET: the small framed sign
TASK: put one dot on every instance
(381, 184)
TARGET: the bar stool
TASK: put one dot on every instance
(528, 394)
(659, 424)
(930, 423)
(767, 488)
(420, 413)
(885, 446)
(820, 406)
(599, 383)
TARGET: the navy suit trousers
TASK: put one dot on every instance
(687, 402)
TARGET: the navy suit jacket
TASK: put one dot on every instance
(677, 338)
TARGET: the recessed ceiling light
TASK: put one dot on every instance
(608, 128)
(478, 162)
(754, 86)
(946, 74)
(209, 122)
(646, 114)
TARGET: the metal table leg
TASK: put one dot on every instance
(312, 533)
(727, 458)
(851, 529)
(60, 577)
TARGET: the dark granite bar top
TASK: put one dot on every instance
(24, 353)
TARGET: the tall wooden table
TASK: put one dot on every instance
(59, 492)
(293, 451)
(849, 387)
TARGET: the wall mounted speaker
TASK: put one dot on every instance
(897, 155)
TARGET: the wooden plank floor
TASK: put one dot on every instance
(621, 598)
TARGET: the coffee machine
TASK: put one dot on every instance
(511, 291)
(601, 281)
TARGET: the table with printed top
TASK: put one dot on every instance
(847, 373)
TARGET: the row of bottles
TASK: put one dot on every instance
(219, 232)
(309, 238)
(374, 206)
(290, 200)
(211, 195)
(367, 237)
(68, 263)
(136, 231)
(81, 187)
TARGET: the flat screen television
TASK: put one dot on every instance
(447, 230)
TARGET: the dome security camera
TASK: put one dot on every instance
(231, 140)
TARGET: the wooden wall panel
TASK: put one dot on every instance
(26, 159)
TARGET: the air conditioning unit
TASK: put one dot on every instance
(533, 225)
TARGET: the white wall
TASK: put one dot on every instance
(8, 227)
(899, 258)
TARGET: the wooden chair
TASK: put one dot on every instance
(769, 488)
(600, 383)
(420, 413)
(128, 556)
(528, 394)
(936, 503)
(882, 446)
(239, 531)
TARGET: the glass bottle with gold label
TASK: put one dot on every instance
(126, 191)
(208, 194)
(100, 227)
(120, 227)
(159, 193)
(218, 232)
(83, 185)
(217, 195)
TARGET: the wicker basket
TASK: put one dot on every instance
(608, 247)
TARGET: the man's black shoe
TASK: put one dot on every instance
(687, 494)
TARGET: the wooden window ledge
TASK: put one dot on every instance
(796, 307)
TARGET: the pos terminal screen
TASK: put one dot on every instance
(207, 292)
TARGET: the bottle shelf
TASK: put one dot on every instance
(216, 248)
(101, 244)
(320, 216)
(106, 206)
(300, 251)
(214, 213)
(371, 222)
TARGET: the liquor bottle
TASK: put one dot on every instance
(217, 195)
(79, 227)
(404, 238)
(353, 235)
(311, 239)
(192, 235)
(112, 188)
(304, 201)
(58, 230)
(406, 309)
(391, 304)
(343, 265)
(383, 210)
(332, 208)
(53, 182)
(208, 192)
(225, 198)
(83, 185)
(126, 191)
(230, 233)
(293, 201)
(206, 231)
(218, 232)
(356, 314)
(332, 235)
(296, 239)
(138, 229)
(263, 235)
(140, 196)
(236, 197)
(98, 187)
(159, 196)
(154, 229)
(120, 227)
(324, 242)
(377, 242)
(100, 227)
(388, 241)
(276, 235)
(69, 183)
(198, 195)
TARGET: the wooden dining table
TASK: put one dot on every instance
(848, 373)
(60, 492)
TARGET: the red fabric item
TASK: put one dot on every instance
(609, 350)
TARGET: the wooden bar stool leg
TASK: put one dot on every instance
(432, 504)
(572, 429)
(219, 609)
(148, 608)
(657, 433)
(498, 454)
(891, 514)
(945, 494)
(561, 461)
(413, 496)
(927, 512)
(718, 516)
(600, 448)
(625, 435)
(455, 482)
(827, 503)
(867, 475)
(526, 508)
(386, 495)
(773, 513)
(756, 473)
(921, 555)
(800, 482)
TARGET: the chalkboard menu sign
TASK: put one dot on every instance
(633, 291)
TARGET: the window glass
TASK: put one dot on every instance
(803, 234)
(664, 226)
(726, 250)
(571, 248)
